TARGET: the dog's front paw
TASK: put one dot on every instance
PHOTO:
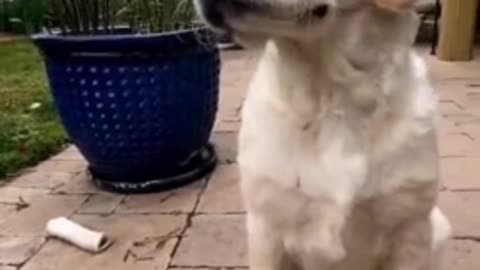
(323, 240)
(327, 245)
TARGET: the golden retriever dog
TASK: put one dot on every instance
(337, 149)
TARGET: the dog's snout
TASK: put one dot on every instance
(210, 11)
(217, 12)
(321, 11)
(264, 17)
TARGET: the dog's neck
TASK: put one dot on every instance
(367, 56)
(365, 41)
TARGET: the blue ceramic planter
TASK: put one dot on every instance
(140, 108)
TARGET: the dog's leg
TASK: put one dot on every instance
(266, 249)
(321, 236)
(411, 247)
(308, 226)
(441, 232)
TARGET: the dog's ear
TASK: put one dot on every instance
(396, 5)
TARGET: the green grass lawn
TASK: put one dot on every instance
(30, 130)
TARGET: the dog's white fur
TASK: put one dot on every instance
(337, 148)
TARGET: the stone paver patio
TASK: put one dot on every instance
(201, 226)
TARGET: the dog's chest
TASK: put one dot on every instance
(306, 132)
(314, 156)
(327, 159)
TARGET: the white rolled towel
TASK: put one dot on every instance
(77, 235)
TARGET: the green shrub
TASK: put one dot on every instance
(103, 16)
(94, 16)
(22, 16)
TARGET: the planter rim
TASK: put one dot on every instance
(130, 36)
(171, 41)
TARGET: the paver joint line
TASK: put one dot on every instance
(242, 213)
(467, 238)
(188, 221)
(175, 266)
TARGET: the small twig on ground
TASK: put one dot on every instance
(161, 240)
(129, 254)
(19, 205)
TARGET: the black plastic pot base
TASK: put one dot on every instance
(203, 164)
